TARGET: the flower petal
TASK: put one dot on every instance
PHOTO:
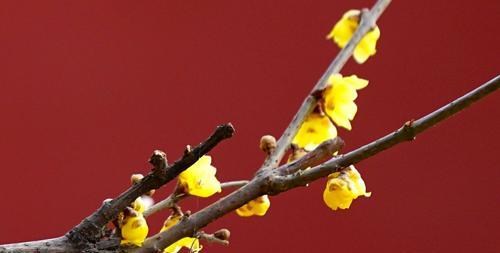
(356, 82)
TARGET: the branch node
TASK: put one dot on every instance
(226, 130)
(159, 160)
(409, 131)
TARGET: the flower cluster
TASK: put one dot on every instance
(336, 107)
(197, 180)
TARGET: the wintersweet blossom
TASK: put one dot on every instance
(199, 179)
(339, 98)
(343, 187)
(258, 206)
(189, 242)
(134, 229)
(315, 129)
(343, 31)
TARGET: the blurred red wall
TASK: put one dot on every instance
(89, 88)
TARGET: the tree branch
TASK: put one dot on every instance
(261, 184)
(175, 197)
(236, 184)
(273, 182)
(368, 20)
(55, 245)
(88, 231)
(219, 237)
(315, 156)
(406, 133)
(85, 235)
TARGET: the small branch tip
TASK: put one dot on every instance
(225, 130)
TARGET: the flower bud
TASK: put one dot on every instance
(267, 144)
(136, 178)
(222, 234)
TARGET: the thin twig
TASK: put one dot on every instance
(315, 156)
(175, 197)
(168, 202)
(211, 238)
(271, 182)
(368, 21)
(230, 184)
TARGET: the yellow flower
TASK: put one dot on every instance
(315, 129)
(199, 179)
(134, 229)
(343, 31)
(257, 207)
(343, 187)
(339, 98)
(189, 242)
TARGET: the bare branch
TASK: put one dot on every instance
(237, 184)
(368, 21)
(212, 238)
(164, 204)
(55, 245)
(175, 197)
(315, 156)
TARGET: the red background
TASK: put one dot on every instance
(89, 88)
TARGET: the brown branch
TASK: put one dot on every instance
(268, 181)
(273, 182)
(86, 234)
(236, 184)
(175, 197)
(368, 20)
(211, 238)
(168, 202)
(315, 156)
(88, 231)
(406, 133)
(56, 245)
(261, 184)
